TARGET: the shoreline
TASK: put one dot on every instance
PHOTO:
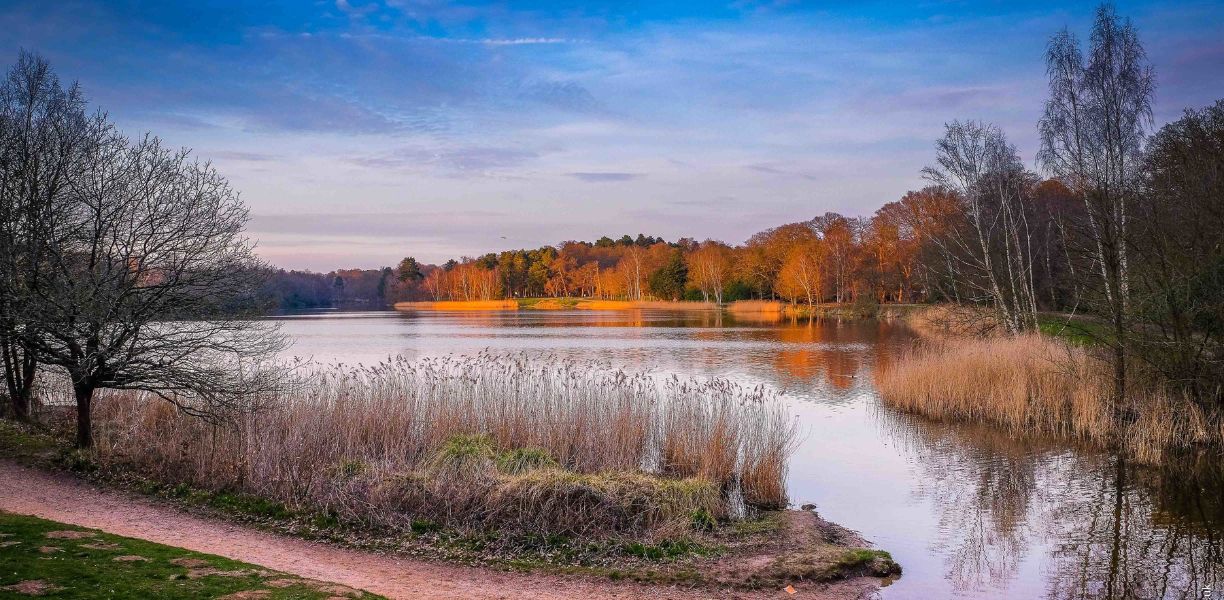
(749, 309)
(780, 548)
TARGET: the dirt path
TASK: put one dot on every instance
(63, 498)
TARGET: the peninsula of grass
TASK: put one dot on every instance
(489, 460)
(45, 558)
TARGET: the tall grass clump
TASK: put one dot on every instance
(1035, 384)
(487, 441)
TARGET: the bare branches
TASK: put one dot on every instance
(1092, 133)
(124, 260)
(993, 255)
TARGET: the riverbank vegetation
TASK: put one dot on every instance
(1125, 346)
(45, 558)
(491, 460)
(485, 442)
(1034, 384)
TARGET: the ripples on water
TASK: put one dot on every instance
(967, 511)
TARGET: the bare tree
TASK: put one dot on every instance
(42, 132)
(1178, 250)
(992, 257)
(1092, 134)
(145, 265)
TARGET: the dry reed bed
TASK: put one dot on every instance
(459, 305)
(1034, 384)
(756, 306)
(645, 304)
(486, 441)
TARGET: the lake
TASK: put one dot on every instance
(967, 511)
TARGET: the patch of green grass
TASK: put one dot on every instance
(463, 455)
(521, 460)
(248, 504)
(666, 549)
(768, 522)
(1076, 331)
(423, 526)
(326, 520)
(875, 562)
(102, 565)
(562, 302)
(25, 442)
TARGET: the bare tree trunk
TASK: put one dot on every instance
(84, 403)
(20, 369)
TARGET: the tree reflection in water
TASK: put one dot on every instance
(1097, 526)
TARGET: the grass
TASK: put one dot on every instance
(549, 303)
(1079, 331)
(459, 305)
(556, 304)
(488, 442)
(1034, 384)
(756, 306)
(596, 304)
(84, 563)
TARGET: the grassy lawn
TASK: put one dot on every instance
(53, 560)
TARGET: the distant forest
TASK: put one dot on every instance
(895, 255)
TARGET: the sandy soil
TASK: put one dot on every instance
(62, 498)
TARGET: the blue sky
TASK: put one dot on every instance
(360, 131)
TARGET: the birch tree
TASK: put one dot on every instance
(993, 256)
(1092, 132)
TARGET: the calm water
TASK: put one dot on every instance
(968, 512)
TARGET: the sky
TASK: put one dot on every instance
(362, 131)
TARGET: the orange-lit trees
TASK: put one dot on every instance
(931, 214)
(765, 252)
(802, 273)
(633, 270)
(891, 243)
(838, 234)
(709, 268)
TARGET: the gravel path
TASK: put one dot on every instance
(62, 498)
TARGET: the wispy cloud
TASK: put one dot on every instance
(592, 177)
(521, 41)
(465, 160)
(242, 156)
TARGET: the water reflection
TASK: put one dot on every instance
(970, 512)
(1096, 526)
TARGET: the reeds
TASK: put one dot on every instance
(1034, 384)
(485, 441)
(953, 320)
(645, 304)
(459, 305)
(756, 306)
